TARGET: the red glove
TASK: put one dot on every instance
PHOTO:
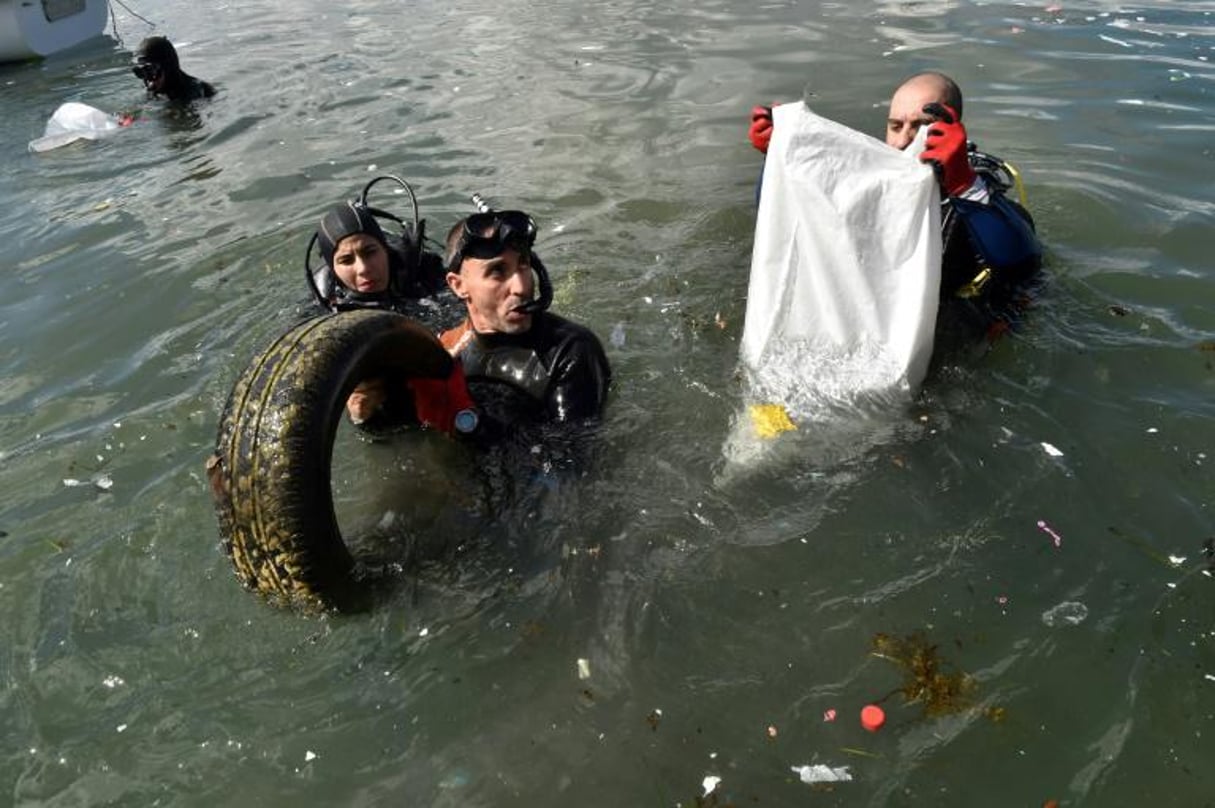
(437, 401)
(946, 150)
(760, 133)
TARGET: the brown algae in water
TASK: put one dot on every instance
(930, 681)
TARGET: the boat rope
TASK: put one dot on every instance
(114, 20)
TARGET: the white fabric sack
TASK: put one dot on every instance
(845, 269)
(74, 121)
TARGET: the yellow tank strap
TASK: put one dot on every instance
(974, 287)
(1017, 182)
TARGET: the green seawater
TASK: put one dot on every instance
(615, 639)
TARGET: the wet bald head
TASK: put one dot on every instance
(906, 113)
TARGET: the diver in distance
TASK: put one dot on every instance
(157, 66)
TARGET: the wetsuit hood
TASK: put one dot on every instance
(344, 220)
(160, 51)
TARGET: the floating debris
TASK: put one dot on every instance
(102, 483)
(1048, 530)
(1067, 613)
(873, 717)
(710, 784)
(617, 338)
(1051, 450)
(929, 680)
(818, 773)
(771, 420)
(860, 752)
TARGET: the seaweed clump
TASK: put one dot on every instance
(930, 681)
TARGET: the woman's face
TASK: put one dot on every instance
(361, 264)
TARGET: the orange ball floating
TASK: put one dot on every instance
(872, 717)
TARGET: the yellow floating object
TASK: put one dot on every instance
(771, 419)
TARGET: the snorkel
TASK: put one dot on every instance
(357, 216)
(491, 232)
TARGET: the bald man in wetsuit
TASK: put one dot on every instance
(523, 364)
(990, 247)
(518, 365)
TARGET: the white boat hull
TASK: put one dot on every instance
(31, 28)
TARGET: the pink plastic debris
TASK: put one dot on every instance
(1045, 528)
(829, 715)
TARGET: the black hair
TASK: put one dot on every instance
(452, 243)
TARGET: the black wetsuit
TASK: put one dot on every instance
(182, 88)
(429, 278)
(174, 84)
(555, 373)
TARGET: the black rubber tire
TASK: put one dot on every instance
(270, 474)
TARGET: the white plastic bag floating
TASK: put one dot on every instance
(845, 273)
(819, 773)
(74, 121)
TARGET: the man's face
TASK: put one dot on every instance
(494, 289)
(906, 114)
(361, 263)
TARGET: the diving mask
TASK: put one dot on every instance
(148, 72)
(489, 234)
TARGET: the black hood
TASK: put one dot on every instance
(160, 51)
(345, 220)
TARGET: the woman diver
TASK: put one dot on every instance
(363, 267)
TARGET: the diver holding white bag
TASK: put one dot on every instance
(845, 259)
